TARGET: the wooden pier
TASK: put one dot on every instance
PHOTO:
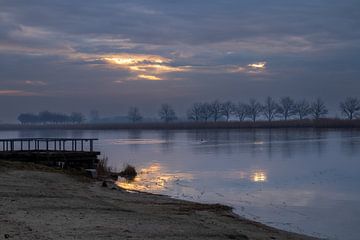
(64, 152)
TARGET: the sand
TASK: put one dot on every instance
(40, 203)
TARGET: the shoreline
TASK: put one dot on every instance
(278, 124)
(43, 203)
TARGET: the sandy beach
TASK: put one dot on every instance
(41, 203)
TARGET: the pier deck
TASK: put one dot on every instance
(65, 152)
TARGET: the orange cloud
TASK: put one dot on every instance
(149, 77)
(16, 93)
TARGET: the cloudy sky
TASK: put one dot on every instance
(72, 55)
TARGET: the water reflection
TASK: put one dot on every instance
(167, 138)
(350, 143)
(153, 178)
(259, 176)
(137, 141)
(294, 179)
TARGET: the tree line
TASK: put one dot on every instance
(46, 117)
(285, 108)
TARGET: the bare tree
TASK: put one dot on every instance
(350, 107)
(195, 112)
(227, 108)
(318, 109)
(134, 114)
(205, 112)
(167, 113)
(77, 117)
(241, 110)
(270, 109)
(215, 108)
(94, 116)
(254, 109)
(302, 109)
(286, 107)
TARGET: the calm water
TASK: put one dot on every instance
(299, 180)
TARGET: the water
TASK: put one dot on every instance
(305, 181)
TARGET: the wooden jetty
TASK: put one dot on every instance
(64, 152)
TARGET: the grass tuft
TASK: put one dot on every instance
(129, 172)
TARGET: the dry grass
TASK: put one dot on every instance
(102, 168)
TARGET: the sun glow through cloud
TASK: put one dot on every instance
(149, 77)
(147, 67)
(258, 65)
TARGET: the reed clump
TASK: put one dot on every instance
(102, 168)
(129, 172)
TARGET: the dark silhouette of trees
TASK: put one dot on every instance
(77, 117)
(270, 109)
(167, 113)
(286, 107)
(205, 112)
(254, 109)
(302, 109)
(134, 115)
(318, 109)
(195, 113)
(241, 111)
(227, 109)
(28, 118)
(350, 107)
(215, 109)
(46, 117)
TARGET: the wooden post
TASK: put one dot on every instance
(82, 145)
(91, 145)
(47, 145)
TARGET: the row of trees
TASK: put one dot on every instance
(270, 109)
(286, 108)
(50, 117)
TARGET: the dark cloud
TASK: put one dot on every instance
(56, 52)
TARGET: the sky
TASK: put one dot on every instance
(75, 55)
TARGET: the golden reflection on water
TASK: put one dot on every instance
(153, 178)
(258, 176)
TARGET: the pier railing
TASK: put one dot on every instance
(47, 145)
